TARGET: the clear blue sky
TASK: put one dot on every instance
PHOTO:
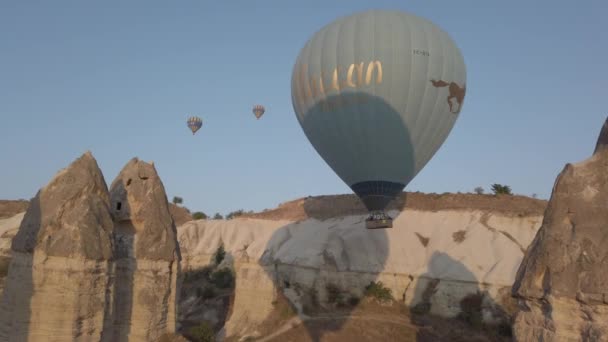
(119, 78)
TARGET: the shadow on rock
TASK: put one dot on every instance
(450, 287)
(319, 269)
(206, 297)
(118, 323)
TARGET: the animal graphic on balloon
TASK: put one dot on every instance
(360, 91)
(455, 92)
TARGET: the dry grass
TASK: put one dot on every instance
(371, 321)
(12, 208)
(325, 207)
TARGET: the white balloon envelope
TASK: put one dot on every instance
(377, 94)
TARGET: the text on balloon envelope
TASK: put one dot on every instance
(356, 75)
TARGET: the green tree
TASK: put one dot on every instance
(220, 253)
(222, 278)
(203, 333)
(218, 216)
(479, 190)
(199, 215)
(177, 200)
(234, 214)
(500, 189)
(378, 291)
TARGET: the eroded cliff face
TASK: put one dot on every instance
(431, 260)
(58, 277)
(562, 283)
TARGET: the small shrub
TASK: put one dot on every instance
(223, 278)
(421, 308)
(234, 214)
(479, 190)
(353, 301)
(429, 291)
(459, 236)
(311, 303)
(199, 215)
(203, 333)
(220, 253)
(4, 265)
(378, 291)
(286, 311)
(470, 307)
(178, 200)
(340, 302)
(333, 293)
(218, 216)
(206, 293)
(504, 329)
(500, 189)
(199, 274)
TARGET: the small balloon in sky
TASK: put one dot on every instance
(194, 123)
(258, 111)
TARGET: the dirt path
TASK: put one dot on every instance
(298, 320)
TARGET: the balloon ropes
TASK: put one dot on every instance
(376, 94)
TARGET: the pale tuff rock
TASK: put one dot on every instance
(310, 254)
(562, 283)
(138, 196)
(147, 257)
(58, 277)
(69, 217)
(81, 270)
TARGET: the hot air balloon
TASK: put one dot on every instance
(376, 94)
(258, 111)
(195, 123)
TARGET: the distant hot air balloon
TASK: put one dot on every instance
(195, 123)
(377, 94)
(258, 111)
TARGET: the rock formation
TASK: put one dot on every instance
(302, 259)
(90, 265)
(562, 283)
(147, 257)
(58, 277)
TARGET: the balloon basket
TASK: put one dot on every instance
(379, 221)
